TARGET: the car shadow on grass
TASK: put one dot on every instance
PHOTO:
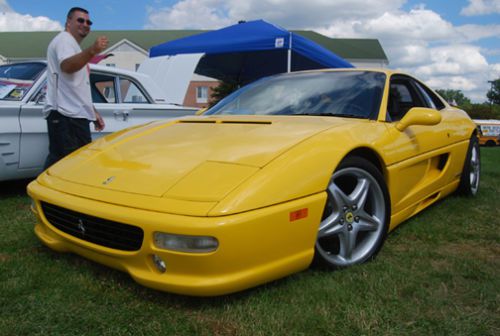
(14, 188)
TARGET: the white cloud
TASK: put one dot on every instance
(12, 21)
(18, 22)
(4, 7)
(419, 41)
(481, 7)
(189, 14)
(293, 14)
(454, 60)
(473, 32)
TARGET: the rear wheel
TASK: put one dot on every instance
(356, 216)
(471, 173)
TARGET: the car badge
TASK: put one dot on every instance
(81, 226)
(108, 180)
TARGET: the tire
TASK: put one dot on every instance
(471, 173)
(356, 216)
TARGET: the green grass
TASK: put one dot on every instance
(437, 274)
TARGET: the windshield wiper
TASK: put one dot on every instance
(342, 115)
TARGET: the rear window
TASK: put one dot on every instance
(17, 79)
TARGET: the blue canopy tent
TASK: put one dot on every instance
(250, 50)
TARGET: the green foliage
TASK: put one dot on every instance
(483, 111)
(494, 93)
(437, 274)
(454, 97)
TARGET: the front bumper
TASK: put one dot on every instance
(254, 247)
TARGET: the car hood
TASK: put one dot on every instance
(195, 158)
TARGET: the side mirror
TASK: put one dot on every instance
(419, 116)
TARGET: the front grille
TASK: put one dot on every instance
(96, 230)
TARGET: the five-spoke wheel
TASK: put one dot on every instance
(356, 216)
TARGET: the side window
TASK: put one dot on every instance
(131, 93)
(103, 88)
(402, 97)
(432, 99)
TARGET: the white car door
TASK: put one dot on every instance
(10, 132)
(123, 102)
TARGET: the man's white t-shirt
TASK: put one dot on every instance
(69, 94)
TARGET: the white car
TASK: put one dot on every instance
(123, 98)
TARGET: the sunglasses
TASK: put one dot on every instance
(82, 20)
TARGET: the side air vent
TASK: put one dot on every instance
(239, 122)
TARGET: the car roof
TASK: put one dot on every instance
(145, 80)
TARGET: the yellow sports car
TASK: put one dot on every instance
(316, 165)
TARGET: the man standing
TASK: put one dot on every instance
(69, 107)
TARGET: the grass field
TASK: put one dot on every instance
(437, 274)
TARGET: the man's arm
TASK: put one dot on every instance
(76, 62)
(99, 122)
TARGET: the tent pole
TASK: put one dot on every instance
(289, 56)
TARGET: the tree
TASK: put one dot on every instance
(494, 93)
(455, 97)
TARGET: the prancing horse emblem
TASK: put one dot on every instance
(81, 226)
(108, 180)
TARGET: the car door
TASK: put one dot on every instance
(10, 132)
(418, 155)
(34, 142)
(123, 102)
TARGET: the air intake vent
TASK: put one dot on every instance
(240, 122)
(95, 230)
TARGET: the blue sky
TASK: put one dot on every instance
(448, 44)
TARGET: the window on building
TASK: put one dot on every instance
(202, 94)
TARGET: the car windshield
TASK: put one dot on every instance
(355, 94)
(16, 79)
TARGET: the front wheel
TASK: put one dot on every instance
(356, 216)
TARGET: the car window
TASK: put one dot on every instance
(355, 94)
(403, 95)
(18, 78)
(131, 93)
(428, 100)
(431, 98)
(102, 87)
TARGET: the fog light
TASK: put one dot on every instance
(159, 263)
(182, 243)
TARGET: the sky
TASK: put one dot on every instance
(449, 44)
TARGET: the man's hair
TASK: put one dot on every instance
(76, 9)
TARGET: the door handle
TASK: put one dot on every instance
(121, 115)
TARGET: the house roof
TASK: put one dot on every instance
(34, 44)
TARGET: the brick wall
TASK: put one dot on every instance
(190, 98)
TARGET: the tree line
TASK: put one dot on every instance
(490, 109)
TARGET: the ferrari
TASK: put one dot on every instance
(293, 169)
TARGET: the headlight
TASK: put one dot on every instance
(182, 243)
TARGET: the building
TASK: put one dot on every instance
(130, 47)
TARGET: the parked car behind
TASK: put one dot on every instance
(123, 98)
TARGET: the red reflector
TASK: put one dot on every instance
(295, 215)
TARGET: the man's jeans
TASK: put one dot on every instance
(65, 136)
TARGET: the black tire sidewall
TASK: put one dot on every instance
(465, 187)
